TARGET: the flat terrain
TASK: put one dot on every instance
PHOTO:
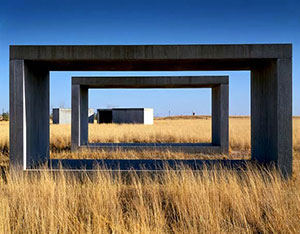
(221, 201)
(171, 129)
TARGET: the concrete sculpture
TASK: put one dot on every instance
(218, 84)
(271, 92)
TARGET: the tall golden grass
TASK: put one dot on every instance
(164, 130)
(218, 201)
(167, 130)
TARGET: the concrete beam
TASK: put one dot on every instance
(159, 52)
(103, 82)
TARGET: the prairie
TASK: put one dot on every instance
(219, 201)
(171, 129)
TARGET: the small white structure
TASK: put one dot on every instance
(132, 115)
(63, 116)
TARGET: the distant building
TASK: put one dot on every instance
(104, 116)
(125, 115)
(63, 116)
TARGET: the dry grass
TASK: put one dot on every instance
(208, 202)
(164, 130)
(222, 201)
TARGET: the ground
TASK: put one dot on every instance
(220, 201)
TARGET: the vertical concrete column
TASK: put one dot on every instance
(271, 114)
(84, 116)
(220, 116)
(29, 115)
(79, 129)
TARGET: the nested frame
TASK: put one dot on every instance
(220, 100)
(271, 91)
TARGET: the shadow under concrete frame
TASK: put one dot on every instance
(271, 91)
(218, 85)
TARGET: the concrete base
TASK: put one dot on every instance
(144, 165)
(205, 148)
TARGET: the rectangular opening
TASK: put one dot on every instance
(168, 115)
(173, 119)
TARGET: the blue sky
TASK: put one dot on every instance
(150, 22)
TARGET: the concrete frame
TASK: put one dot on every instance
(220, 100)
(271, 91)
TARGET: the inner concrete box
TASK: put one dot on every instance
(271, 96)
(63, 116)
(218, 85)
(125, 116)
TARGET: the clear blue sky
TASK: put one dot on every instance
(150, 22)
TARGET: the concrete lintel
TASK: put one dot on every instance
(151, 82)
(122, 52)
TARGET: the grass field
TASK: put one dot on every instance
(179, 129)
(222, 201)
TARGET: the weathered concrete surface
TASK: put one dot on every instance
(271, 112)
(29, 128)
(79, 127)
(103, 82)
(139, 52)
(271, 83)
(220, 114)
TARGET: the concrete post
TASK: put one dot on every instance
(79, 129)
(220, 116)
(29, 115)
(271, 114)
